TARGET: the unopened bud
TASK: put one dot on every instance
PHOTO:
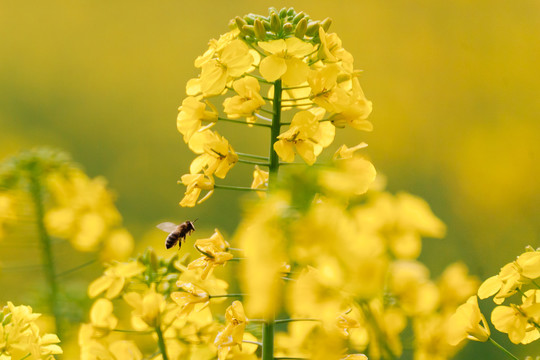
(248, 30)
(312, 28)
(291, 12)
(326, 24)
(250, 18)
(283, 13)
(239, 22)
(288, 28)
(301, 28)
(260, 32)
(298, 17)
(275, 23)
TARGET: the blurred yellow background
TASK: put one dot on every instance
(455, 87)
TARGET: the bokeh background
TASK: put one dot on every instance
(455, 87)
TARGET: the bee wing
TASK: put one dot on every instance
(167, 226)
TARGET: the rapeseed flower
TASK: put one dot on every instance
(114, 279)
(189, 298)
(233, 333)
(468, 323)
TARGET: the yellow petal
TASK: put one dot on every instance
(272, 67)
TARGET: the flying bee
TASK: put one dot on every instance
(177, 233)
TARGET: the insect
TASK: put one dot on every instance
(177, 233)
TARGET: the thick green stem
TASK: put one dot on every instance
(268, 340)
(161, 343)
(268, 325)
(508, 353)
(36, 190)
(274, 133)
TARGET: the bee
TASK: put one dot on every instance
(177, 233)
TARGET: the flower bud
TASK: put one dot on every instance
(283, 13)
(250, 18)
(248, 30)
(312, 28)
(288, 28)
(239, 22)
(275, 23)
(291, 12)
(301, 28)
(326, 24)
(298, 17)
(260, 32)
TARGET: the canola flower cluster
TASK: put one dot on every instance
(266, 68)
(518, 284)
(20, 336)
(68, 203)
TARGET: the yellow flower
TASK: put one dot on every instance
(285, 61)
(247, 101)
(190, 297)
(306, 135)
(355, 113)
(324, 89)
(102, 318)
(511, 277)
(114, 279)
(20, 338)
(117, 246)
(147, 307)
(215, 251)
(468, 323)
(331, 50)
(195, 183)
(351, 177)
(233, 61)
(233, 333)
(518, 321)
(430, 338)
(345, 152)
(260, 180)
(192, 113)
(217, 156)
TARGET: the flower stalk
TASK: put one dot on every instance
(503, 349)
(36, 191)
(161, 343)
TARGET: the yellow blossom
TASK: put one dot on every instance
(324, 89)
(20, 335)
(331, 50)
(468, 323)
(345, 152)
(285, 60)
(190, 297)
(192, 113)
(216, 157)
(147, 307)
(351, 177)
(102, 318)
(456, 286)
(195, 183)
(247, 101)
(233, 61)
(518, 321)
(260, 180)
(306, 135)
(215, 253)
(114, 279)
(233, 333)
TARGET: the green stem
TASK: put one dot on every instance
(274, 132)
(252, 162)
(268, 340)
(242, 122)
(508, 353)
(269, 324)
(283, 321)
(161, 343)
(69, 271)
(535, 284)
(225, 296)
(36, 190)
(252, 156)
(239, 188)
